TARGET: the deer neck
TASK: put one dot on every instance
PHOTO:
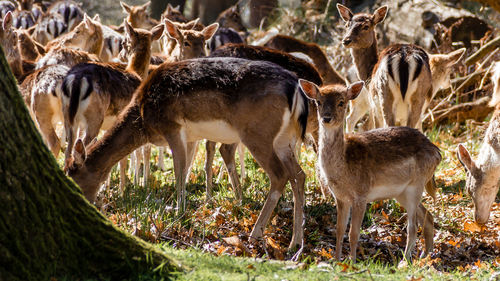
(331, 147)
(329, 75)
(365, 59)
(489, 154)
(139, 61)
(127, 135)
(96, 43)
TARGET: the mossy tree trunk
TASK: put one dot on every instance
(47, 228)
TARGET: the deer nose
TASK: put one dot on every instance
(346, 41)
(327, 119)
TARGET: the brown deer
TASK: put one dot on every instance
(94, 94)
(400, 78)
(30, 49)
(70, 10)
(112, 43)
(190, 43)
(173, 14)
(138, 17)
(396, 162)
(484, 173)
(289, 44)
(225, 100)
(168, 43)
(49, 27)
(8, 40)
(87, 35)
(300, 67)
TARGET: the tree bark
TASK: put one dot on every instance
(47, 228)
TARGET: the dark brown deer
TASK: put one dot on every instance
(397, 162)
(225, 100)
(300, 67)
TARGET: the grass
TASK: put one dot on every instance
(211, 237)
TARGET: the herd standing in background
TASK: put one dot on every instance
(148, 82)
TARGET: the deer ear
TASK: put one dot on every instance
(191, 24)
(354, 89)
(380, 14)
(145, 6)
(157, 31)
(126, 8)
(310, 89)
(455, 56)
(97, 18)
(129, 30)
(79, 154)
(169, 8)
(172, 30)
(464, 157)
(209, 31)
(7, 21)
(345, 13)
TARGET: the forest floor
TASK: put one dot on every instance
(220, 226)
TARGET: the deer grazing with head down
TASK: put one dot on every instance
(400, 79)
(225, 100)
(396, 162)
(483, 174)
(94, 93)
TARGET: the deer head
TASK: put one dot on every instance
(138, 16)
(331, 100)
(190, 43)
(481, 183)
(441, 66)
(360, 31)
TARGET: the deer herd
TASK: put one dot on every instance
(156, 83)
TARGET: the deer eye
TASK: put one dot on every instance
(366, 27)
(341, 104)
(187, 44)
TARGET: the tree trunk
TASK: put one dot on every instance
(47, 228)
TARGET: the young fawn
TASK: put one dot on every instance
(484, 173)
(94, 94)
(225, 100)
(396, 162)
(401, 81)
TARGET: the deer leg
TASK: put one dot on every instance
(146, 156)
(179, 148)
(210, 147)
(191, 153)
(415, 114)
(409, 200)
(70, 134)
(425, 219)
(161, 158)
(227, 152)
(297, 181)
(44, 115)
(343, 209)
(358, 211)
(137, 165)
(123, 173)
(241, 153)
(270, 162)
(358, 109)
